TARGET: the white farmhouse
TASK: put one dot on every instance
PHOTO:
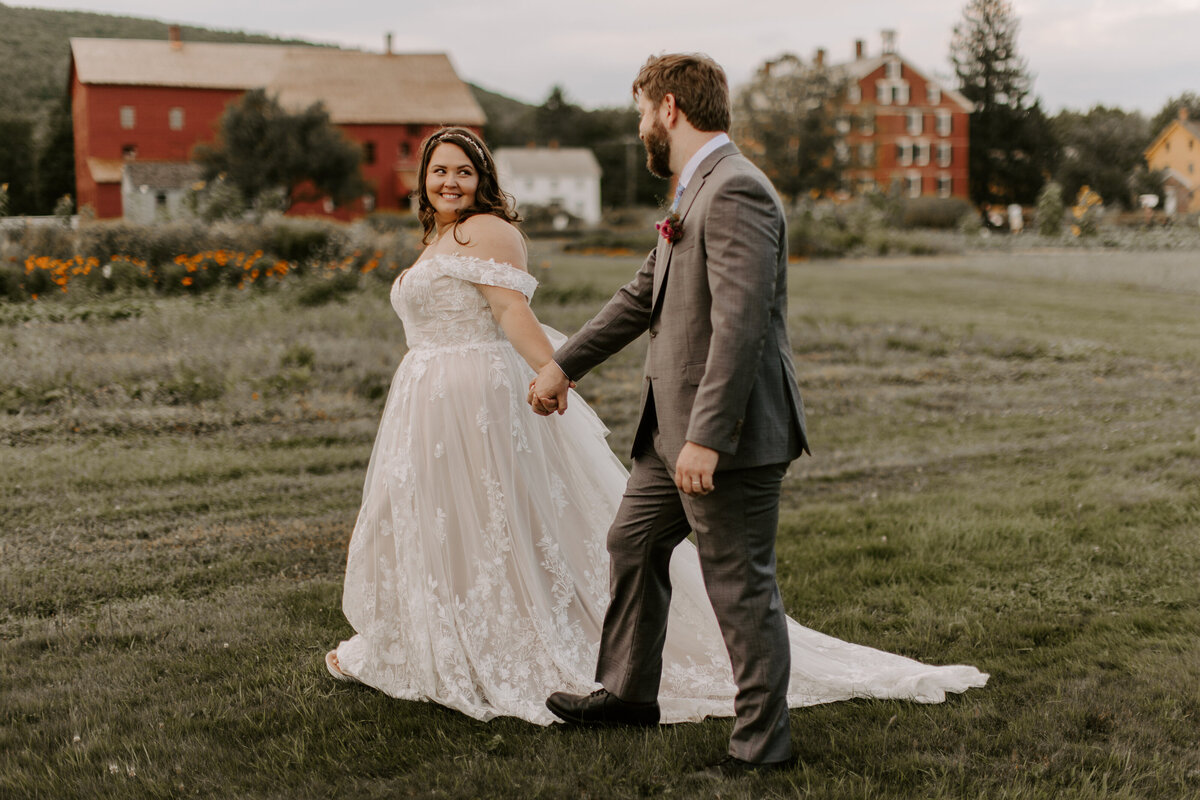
(567, 178)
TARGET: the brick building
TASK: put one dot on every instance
(150, 100)
(899, 128)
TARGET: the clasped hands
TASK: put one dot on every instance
(696, 463)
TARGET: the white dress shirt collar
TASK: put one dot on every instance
(693, 163)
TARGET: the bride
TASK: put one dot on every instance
(477, 574)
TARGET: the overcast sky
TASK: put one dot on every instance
(1129, 53)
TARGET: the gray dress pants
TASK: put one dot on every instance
(735, 528)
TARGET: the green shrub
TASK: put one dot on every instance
(1050, 209)
(328, 288)
(307, 241)
(392, 221)
(942, 213)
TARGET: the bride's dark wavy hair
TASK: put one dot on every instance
(489, 198)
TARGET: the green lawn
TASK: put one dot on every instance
(1006, 473)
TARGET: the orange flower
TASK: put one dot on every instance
(181, 259)
(187, 280)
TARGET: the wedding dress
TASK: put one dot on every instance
(477, 575)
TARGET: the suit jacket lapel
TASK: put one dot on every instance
(690, 192)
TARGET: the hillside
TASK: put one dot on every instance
(35, 51)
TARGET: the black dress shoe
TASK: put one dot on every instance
(733, 767)
(601, 708)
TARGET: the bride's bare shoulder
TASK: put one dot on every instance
(491, 238)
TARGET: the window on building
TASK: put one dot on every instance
(912, 184)
(160, 201)
(893, 69)
(867, 123)
(842, 151)
(842, 125)
(901, 94)
(933, 94)
(944, 153)
(866, 154)
(368, 152)
(945, 122)
(945, 185)
(175, 119)
(128, 118)
(904, 153)
(854, 95)
(883, 93)
(129, 151)
(921, 154)
(405, 150)
(916, 122)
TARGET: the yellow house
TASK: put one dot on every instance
(1176, 151)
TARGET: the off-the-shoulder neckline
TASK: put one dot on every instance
(466, 257)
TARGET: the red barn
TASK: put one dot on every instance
(899, 128)
(155, 100)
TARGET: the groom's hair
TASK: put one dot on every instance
(698, 83)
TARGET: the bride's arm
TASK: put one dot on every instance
(490, 237)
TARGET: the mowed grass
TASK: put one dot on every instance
(1006, 473)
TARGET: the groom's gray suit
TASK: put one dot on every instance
(719, 373)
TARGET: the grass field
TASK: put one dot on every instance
(1006, 473)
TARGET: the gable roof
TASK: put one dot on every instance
(1188, 125)
(860, 68)
(356, 87)
(563, 161)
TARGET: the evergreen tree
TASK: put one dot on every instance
(1013, 148)
(1170, 112)
(17, 164)
(56, 162)
(263, 148)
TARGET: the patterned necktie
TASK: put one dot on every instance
(678, 194)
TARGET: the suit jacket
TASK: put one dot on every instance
(719, 367)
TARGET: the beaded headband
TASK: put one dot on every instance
(456, 138)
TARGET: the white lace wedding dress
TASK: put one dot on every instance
(477, 575)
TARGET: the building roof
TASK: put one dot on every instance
(860, 68)
(356, 87)
(105, 170)
(162, 174)
(1188, 125)
(559, 161)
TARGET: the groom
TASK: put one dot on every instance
(721, 417)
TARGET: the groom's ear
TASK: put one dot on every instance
(667, 105)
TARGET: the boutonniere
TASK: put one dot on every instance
(670, 228)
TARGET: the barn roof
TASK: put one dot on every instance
(355, 86)
(559, 161)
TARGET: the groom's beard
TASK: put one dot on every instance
(658, 151)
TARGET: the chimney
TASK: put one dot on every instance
(1183, 114)
(889, 42)
(175, 37)
(860, 51)
(820, 57)
(388, 43)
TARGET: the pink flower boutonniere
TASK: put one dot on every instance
(670, 228)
